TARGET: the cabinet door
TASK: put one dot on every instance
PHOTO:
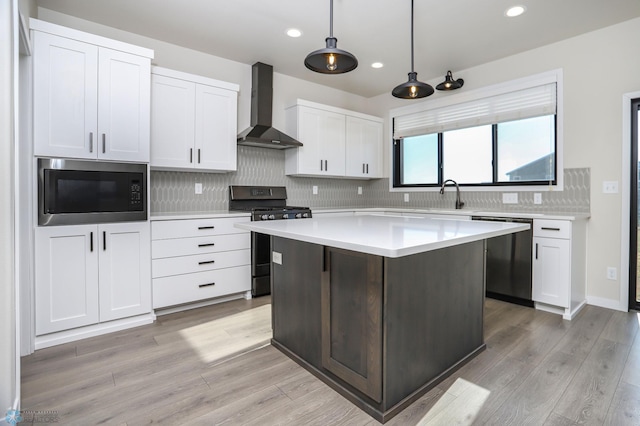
(172, 122)
(363, 148)
(216, 128)
(323, 136)
(551, 271)
(123, 108)
(66, 277)
(351, 310)
(125, 270)
(65, 94)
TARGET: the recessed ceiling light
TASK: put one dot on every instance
(377, 65)
(293, 32)
(515, 11)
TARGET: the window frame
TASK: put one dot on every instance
(553, 76)
(397, 165)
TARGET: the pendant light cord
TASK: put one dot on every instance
(412, 70)
(331, 18)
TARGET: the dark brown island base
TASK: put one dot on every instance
(381, 331)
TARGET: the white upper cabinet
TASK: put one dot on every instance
(364, 148)
(193, 122)
(336, 142)
(91, 96)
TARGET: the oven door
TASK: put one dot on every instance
(75, 192)
(260, 264)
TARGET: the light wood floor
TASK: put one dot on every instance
(210, 366)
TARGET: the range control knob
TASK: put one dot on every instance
(285, 216)
(271, 217)
(305, 214)
(264, 217)
(298, 215)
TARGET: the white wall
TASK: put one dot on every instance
(8, 356)
(598, 68)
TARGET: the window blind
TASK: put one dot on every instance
(519, 104)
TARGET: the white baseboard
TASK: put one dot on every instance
(187, 306)
(607, 303)
(66, 336)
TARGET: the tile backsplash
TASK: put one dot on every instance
(173, 191)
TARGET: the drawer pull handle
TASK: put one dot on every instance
(206, 285)
(206, 245)
(544, 228)
(205, 227)
(206, 262)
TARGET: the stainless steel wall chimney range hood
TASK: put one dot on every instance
(261, 133)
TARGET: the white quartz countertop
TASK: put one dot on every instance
(384, 235)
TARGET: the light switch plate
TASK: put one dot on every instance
(277, 257)
(406, 198)
(198, 188)
(610, 187)
(359, 190)
(510, 198)
(612, 273)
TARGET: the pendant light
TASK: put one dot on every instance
(449, 83)
(412, 89)
(331, 60)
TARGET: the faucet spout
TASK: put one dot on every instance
(459, 203)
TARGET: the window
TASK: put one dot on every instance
(496, 137)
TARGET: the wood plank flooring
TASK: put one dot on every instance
(214, 366)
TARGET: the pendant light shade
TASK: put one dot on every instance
(412, 89)
(449, 83)
(331, 60)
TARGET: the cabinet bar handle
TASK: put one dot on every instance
(367, 168)
(206, 285)
(191, 155)
(321, 169)
(198, 155)
(536, 251)
(104, 143)
(104, 240)
(206, 262)
(549, 229)
(206, 245)
(91, 241)
(326, 166)
(362, 167)
(205, 227)
(90, 141)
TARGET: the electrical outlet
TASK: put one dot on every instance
(510, 198)
(315, 189)
(612, 273)
(610, 187)
(277, 257)
(359, 190)
(406, 198)
(198, 188)
(537, 198)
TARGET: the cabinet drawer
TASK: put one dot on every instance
(201, 262)
(552, 228)
(178, 289)
(198, 245)
(161, 230)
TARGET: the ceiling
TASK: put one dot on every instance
(449, 35)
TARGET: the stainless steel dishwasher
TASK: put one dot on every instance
(508, 270)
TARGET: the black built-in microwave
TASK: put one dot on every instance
(78, 192)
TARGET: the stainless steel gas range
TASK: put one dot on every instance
(264, 203)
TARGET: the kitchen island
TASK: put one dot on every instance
(379, 307)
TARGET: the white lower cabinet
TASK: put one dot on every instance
(86, 274)
(199, 259)
(559, 265)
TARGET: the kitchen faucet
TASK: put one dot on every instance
(459, 203)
